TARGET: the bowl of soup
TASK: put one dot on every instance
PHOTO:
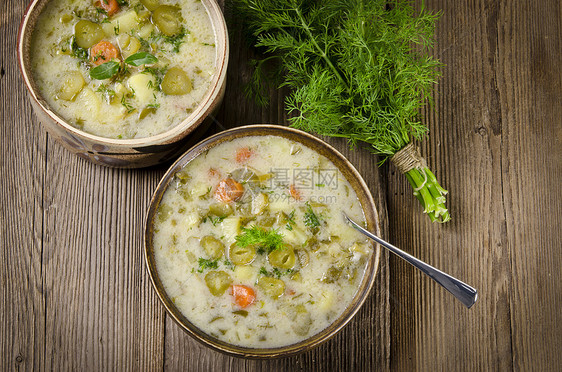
(124, 83)
(247, 247)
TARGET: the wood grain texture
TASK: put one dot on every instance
(531, 83)
(495, 144)
(75, 294)
(23, 154)
(75, 291)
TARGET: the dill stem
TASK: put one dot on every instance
(320, 50)
(429, 193)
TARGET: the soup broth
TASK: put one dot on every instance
(250, 245)
(123, 69)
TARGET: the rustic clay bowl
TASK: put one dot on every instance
(350, 174)
(126, 153)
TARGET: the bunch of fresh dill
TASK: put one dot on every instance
(357, 69)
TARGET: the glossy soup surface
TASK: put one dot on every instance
(143, 97)
(250, 244)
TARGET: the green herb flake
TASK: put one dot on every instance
(214, 220)
(126, 104)
(264, 240)
(177, 40)
(207, 194)
(310, 218)
(275, 273)
(290, 220)
(108, 94)
(154, 105)
(76, 51)
(278, 273)
(243, 313)
(229, 264)
(207, 264)
(158, 74)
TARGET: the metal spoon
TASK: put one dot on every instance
(462, 291)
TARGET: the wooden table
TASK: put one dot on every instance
(75, 294)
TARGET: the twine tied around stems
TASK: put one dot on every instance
(408, 158)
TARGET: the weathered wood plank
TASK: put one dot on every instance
(22, 164)
(75, 293)
(486, 145)
(101, 310)
(530, 41)
(463, 149)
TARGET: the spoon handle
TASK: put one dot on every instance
(462, 291)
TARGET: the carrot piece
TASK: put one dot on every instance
(103, 52)
(110, 6)
(213, 173)
(243, 154)
(229, 190)
(296, 194)
(243, 295)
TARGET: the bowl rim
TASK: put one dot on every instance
(369, 209)
(178, 131)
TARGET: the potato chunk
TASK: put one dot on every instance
(122, 24)
(71, 84)
(142, 85)
(89, 102)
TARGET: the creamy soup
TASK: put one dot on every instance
(250, 243)
(123, 68)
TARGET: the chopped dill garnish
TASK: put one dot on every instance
(310, 218)
(214, 220)
(207, 264)
(107, 93)
(290, 220)
(265, 241)
(76, 51)
(158, 74)
(275, 272)
(229, 264)
(177, 40)
(125, 103)
(207, 194)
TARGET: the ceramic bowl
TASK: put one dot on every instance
(349, 172)
(126, 153)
